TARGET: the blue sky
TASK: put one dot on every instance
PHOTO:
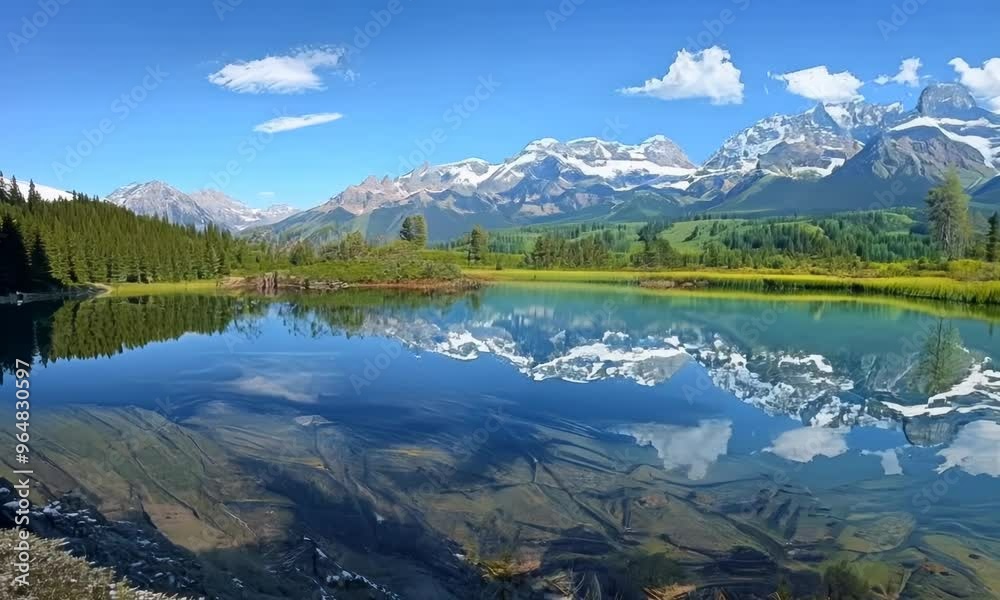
(179, 90)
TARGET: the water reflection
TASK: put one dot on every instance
(568, 427)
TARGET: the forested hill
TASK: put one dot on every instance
(45, 245)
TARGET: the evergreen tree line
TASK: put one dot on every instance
(51, 331)
(83, 240)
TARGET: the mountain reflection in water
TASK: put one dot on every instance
(570, 431)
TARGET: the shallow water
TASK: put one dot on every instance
(566, 426)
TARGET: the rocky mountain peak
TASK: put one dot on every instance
(947, 100)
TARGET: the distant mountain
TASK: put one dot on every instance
(546, 180)
(233, 214)
(896, 166)
(156, 198)
(832, 157)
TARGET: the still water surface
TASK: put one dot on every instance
(567, 429)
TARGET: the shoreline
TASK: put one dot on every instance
(937, 288)
(983, 295)
(90, 290)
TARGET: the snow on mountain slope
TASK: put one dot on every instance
(156, 198)
(46, 192)
(159, 199)
(832, 131)
(544, 167)
(981, 134)
(233, 214)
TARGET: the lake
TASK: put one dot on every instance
(524, 440)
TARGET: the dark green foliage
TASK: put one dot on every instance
(350, 247)
(478, 244)
(551, 251)
(33, 195)
(948, 215)
(941, 361)
(993, 238)
(84, 240)
(414, 230)
(15, 271)
(14, 195)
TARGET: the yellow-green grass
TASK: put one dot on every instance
(935, 308)
(163, 287)
(929, 287)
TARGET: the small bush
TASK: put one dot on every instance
(57, 575)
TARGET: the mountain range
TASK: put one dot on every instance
(156, 198)
(830, 158)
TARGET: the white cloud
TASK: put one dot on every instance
(983, 82)
(707, 74)
(288, 74)
(292, 389)
(819, 84)
(890, 460)
(974, 450)
(909, 74)
(803, 445)
(693, 449)
(280, 124)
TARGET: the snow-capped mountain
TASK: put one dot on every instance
(159, 199)
(544, 169)
(947, 131)
(156, 198)
(951, 111)
(811, 144)
(832, 157)
(233, 214)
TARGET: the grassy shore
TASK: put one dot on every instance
(163, 287)
(925, 287)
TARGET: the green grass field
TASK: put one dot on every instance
(164, 287)
(927, 287)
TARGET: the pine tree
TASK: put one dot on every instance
(993, 238)
(478, 239)
(33, 195)
(41, 269)
(14, 192)
(948, 215)
(4, 196)
(414, 230)
(941, 358)
(420, 231)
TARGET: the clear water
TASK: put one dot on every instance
(571, 427)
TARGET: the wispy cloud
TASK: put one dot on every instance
(819, 84)
(909, 74)
(288, 74)
(280, 124)
(707, 74)
(983, 82)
